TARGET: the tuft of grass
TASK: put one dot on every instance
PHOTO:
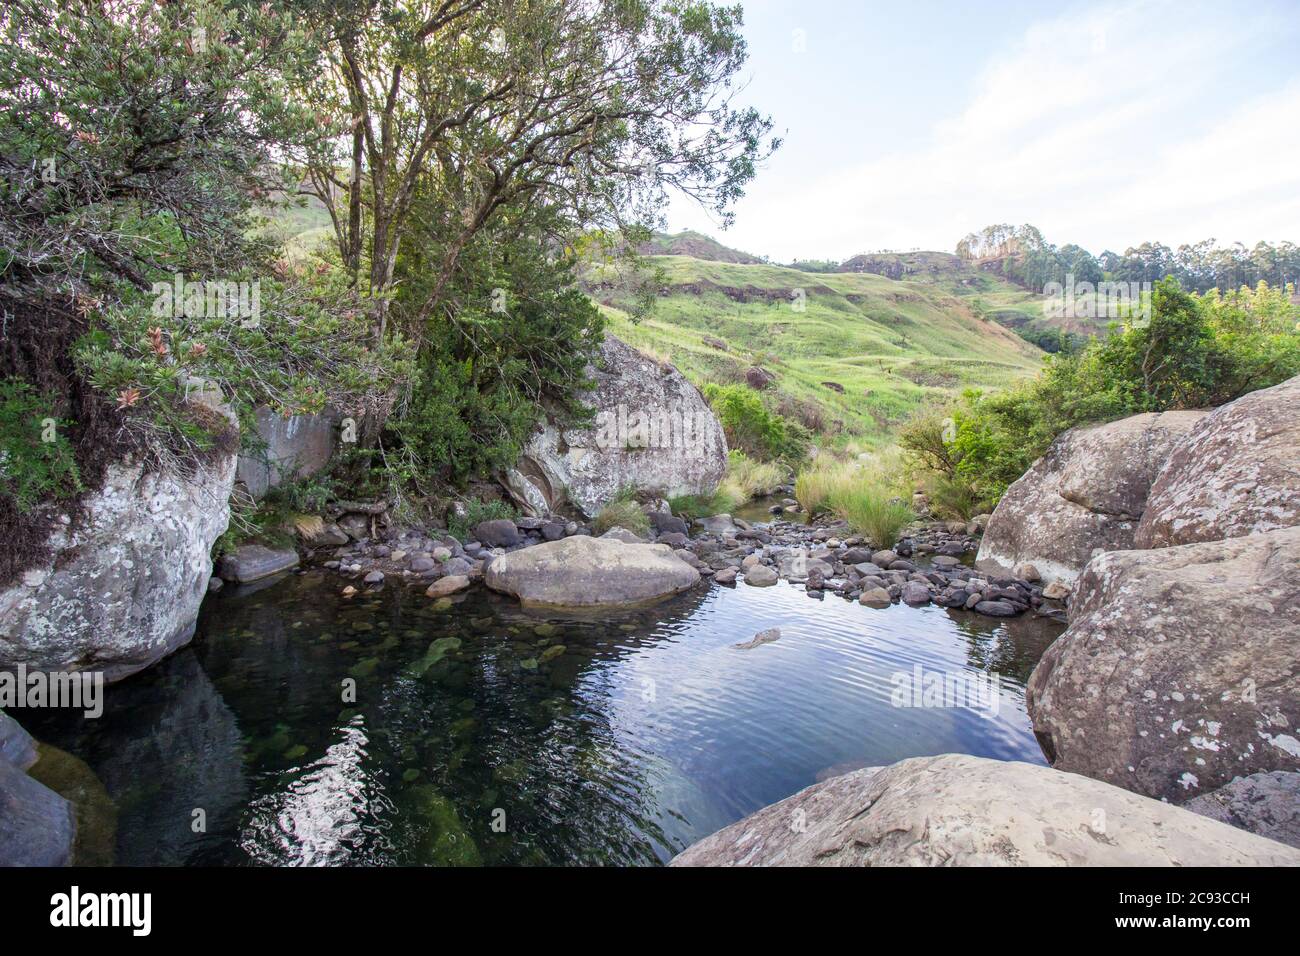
(872, 511)
(621, 513)
(722, 501)
(748, 479)
(866, 493)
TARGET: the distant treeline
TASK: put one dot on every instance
(1021, 255)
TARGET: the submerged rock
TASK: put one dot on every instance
(762, 637)
(957, 810)
(582, 571)
(1178, 670)
(252, 562)
(653, 432)
(1233, 474)
(1085, 495)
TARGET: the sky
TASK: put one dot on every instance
(911, 123)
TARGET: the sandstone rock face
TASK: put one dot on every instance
(296, 447)
(653, 431)
(583, 571)
(1178, 670)
(1085, 495)
(1263, 803)
(1234, 473)
(123, 586)
(956, 810)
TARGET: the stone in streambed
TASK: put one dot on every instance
(252, 562)
(448, 585)
(582, 571)
(497, 533)
(761, 576)
(875, 597)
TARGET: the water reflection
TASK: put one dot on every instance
(482, 733)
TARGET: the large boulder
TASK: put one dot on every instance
(1234, 473)
(1178, 671)
(583, 571)
(653, 431)
(123, 583)
(288, 447)
(956, 810)
(1084, 496)
(1263, 803)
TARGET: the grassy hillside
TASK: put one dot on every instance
(889, 344)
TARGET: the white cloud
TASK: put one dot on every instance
(1092, 129)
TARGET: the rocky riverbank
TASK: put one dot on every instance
(928, 564)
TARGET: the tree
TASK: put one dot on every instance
(475, 105)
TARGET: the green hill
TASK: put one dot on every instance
(876, 338)
(862, 353)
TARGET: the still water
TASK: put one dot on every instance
(481, 733)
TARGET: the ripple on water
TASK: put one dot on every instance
(467, 742)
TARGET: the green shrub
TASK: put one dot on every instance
(622, 514)
(462, 528)
(753, 428)
(37, 461)
(955, 498)
(1194, 352)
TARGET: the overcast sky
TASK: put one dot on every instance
(910, 124)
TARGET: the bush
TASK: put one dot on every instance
(37, 462)
(1195, 352)
(515, 346)
(752, 428)
(462, 528)
(622, 513)
(955, 498)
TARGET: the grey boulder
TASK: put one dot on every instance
(653, 431)
(1084, 496)
(583, 571)
(1234, 473)
(1178, 670)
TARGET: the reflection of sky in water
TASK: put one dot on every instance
(649, 731)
